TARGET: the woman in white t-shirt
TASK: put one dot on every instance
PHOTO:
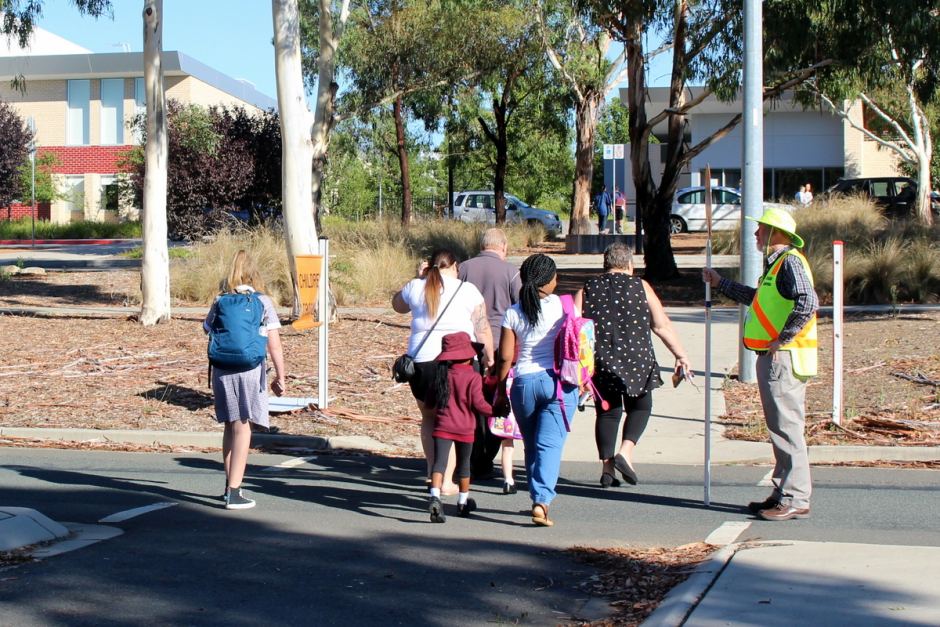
(532, 325)
(438, 293)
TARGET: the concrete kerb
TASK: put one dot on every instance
(681, 600)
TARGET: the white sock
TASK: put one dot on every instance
(509, 480)
(462, 498)
(435, 493)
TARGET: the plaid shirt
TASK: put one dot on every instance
(792, 283)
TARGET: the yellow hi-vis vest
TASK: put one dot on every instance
(769, 312)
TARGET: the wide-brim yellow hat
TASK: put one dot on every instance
(781, 220)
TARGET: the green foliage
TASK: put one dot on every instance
(22, 230)
(46, 189)
(14, 140)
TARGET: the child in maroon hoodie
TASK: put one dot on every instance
(457, 395)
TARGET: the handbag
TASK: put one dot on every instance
(403, 370)
(505, 427)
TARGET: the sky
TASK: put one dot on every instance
(231, 36)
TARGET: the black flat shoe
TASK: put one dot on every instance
(436, 509)
(629, 475)
(509, 488)
(464, 510)
(609, 481)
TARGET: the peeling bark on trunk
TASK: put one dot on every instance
(585, 127)
(155, 263)
(502, 159)
(402, 151)
(296, 145)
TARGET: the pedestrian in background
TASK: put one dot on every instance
(780, 326)
(602, 201)
(625, 310)
(499, 282)
(240, 396)
(620, 206)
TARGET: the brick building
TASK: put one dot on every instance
(82, 102)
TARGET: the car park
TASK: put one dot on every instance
(480, 206)
(688, 209)
(895, 194)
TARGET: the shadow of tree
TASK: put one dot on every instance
(181, 396)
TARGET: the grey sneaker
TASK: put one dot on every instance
(436, 509)
(237, 500)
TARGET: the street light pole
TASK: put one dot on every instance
(31, 123)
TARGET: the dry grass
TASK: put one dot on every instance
(885, 262)
(370, 260)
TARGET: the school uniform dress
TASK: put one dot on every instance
(243, 395)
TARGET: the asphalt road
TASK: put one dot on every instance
(347, 539)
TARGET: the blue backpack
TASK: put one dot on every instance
(235, 341)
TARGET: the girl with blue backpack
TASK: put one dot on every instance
(243, 328)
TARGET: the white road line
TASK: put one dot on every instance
(767, 481)
(290, 463)
(133, 513)
(727, 533)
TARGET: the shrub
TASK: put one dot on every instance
(22, 229)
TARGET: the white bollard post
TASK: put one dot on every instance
(837, 257)
(323, 371)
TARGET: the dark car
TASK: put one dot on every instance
(896, 194)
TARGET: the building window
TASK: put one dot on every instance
(109, 193)
(112, 111)
(79, 94)
(140, 96)
(74, 193)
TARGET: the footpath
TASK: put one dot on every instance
(767, 583)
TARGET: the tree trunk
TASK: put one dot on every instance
(399, 115)
(296, 145)
(585, 127)
(323, 121)
(502, 160)
(155, 263)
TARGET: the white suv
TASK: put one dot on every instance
(480, 206)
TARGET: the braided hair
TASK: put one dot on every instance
(536, 271)
(439, 392)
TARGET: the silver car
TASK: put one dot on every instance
(480, 206)
(688, 209)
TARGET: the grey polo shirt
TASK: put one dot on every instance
(498, 281)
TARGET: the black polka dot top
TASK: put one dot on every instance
(623, 351)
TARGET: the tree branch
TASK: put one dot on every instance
(844, 114)
(553, 57)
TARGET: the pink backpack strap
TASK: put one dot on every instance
(567, 304)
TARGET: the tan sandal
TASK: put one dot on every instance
(540, 515)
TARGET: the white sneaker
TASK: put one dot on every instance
(236, 500)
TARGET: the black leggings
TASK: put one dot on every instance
(442, 452)
(638, 410)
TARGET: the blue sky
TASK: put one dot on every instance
(231, 36)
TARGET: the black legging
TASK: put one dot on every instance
(442, 451)
(638, 410)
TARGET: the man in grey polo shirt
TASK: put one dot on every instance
(499, 282)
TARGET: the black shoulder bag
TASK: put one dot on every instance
(404, 368)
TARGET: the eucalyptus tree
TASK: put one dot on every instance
(578, 50)
(706, 40)
(403, 56)
(513, 70)
(883, 79)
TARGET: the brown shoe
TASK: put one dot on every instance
(784, 512)
(756, 507)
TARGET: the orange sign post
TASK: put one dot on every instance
(309, 268)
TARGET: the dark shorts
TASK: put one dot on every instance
(423, 379)
(619, 213)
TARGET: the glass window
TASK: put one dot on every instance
(109, 193)
(725, 197)
(879, 189)
(695, 197)
(74, 193)
(140, 97)
(79, 94)
(112, 111)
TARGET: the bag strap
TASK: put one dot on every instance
(427, 333)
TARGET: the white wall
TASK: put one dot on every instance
(803, 139)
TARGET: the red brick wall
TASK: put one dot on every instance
(83, 159)
(17, 211)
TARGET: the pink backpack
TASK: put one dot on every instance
(574, 355)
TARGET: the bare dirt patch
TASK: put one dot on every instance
(882, 404)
